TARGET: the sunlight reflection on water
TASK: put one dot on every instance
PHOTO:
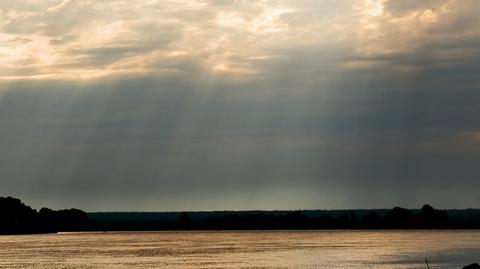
(257, 249)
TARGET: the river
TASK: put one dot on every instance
(243, 249)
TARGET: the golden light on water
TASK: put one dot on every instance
(261, 249)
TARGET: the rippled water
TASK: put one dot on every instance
(258, 249)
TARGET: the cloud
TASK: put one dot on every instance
(223, 37)
(410, 6)
(63, 40)
(418, 34)
(227, 37)
(211, 99)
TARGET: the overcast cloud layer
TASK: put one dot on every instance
(224, 104)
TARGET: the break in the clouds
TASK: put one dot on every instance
(90, 39)
(224, 104)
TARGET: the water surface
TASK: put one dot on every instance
(257, 249)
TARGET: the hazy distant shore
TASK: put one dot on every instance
(396, 218)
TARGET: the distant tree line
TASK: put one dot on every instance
(397, 218)
(18, 218)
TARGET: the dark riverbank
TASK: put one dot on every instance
(18, 218)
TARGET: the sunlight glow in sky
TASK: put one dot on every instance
(230, 104)
(90, 39)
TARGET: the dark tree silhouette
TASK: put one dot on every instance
(184, 220)
(17, 218)
(427, 212)
(400, 214)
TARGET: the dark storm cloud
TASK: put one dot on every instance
(144, 137)
(234, 105)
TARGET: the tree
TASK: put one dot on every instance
(427, 212)
(184, 220)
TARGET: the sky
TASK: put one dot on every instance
(170, 105)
